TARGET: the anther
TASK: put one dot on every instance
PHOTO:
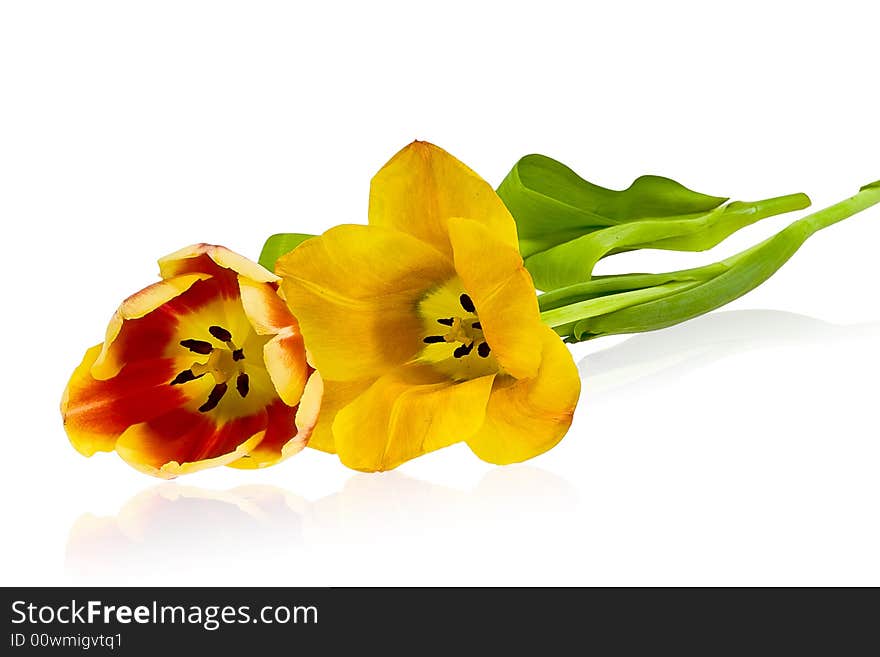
(431, 339)
(466, 303)
(242, 384)
(184, 377)
(220, 333)
(477, 326)
(483, 349)
(463, 350)
(197, 346)
(446, 321)
(238, 354)
(214, 398)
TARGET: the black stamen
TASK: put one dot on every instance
(431, 339)
(483, 349)
(184, 377)
(214, 398)
(220, 333)
(463, 350)
(242, 384)
(477, 326)
(238, 354)
(466, 303)
(446, 321)
(197, 346)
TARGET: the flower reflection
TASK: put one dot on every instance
(179, 529)
(251, 534)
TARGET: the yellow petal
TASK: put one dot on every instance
(210, 259)
(111, 359)
(337, 395)
(527, 417)
(354, 292)
(423, 186)
(408, 413)
(493, 275)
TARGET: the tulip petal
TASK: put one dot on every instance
(499, 285)
(134, 332)
(354, 290)
(266, 310)
(527, 417)
(285, 354)
(280, 431)
(422, 186)
(407, 413)
(337, 395)
(180, 442)
(96, 412)
(211, 259)
(288, 429)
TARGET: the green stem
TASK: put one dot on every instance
(603, 286)
(601, 305)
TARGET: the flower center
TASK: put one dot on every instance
(223, 364)
(463, 331)
(453, 335)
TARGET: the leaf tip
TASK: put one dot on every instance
(279, 244)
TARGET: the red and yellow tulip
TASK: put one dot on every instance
(424, 324)
(206, 367)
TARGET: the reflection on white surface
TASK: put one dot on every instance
(181, 529)
(646, 360)
(170, 530)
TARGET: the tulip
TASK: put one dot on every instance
(207, 367)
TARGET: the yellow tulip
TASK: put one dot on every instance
(424, 324)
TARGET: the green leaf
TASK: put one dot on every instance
(634, 303)
(552, 204)
(573, 262)
(278, 245)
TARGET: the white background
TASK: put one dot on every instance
(741, 448)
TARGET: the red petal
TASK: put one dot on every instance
(148, 337)
(182, 441)
(96, 412)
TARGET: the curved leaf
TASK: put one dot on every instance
(573, 262)
(552, 204)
